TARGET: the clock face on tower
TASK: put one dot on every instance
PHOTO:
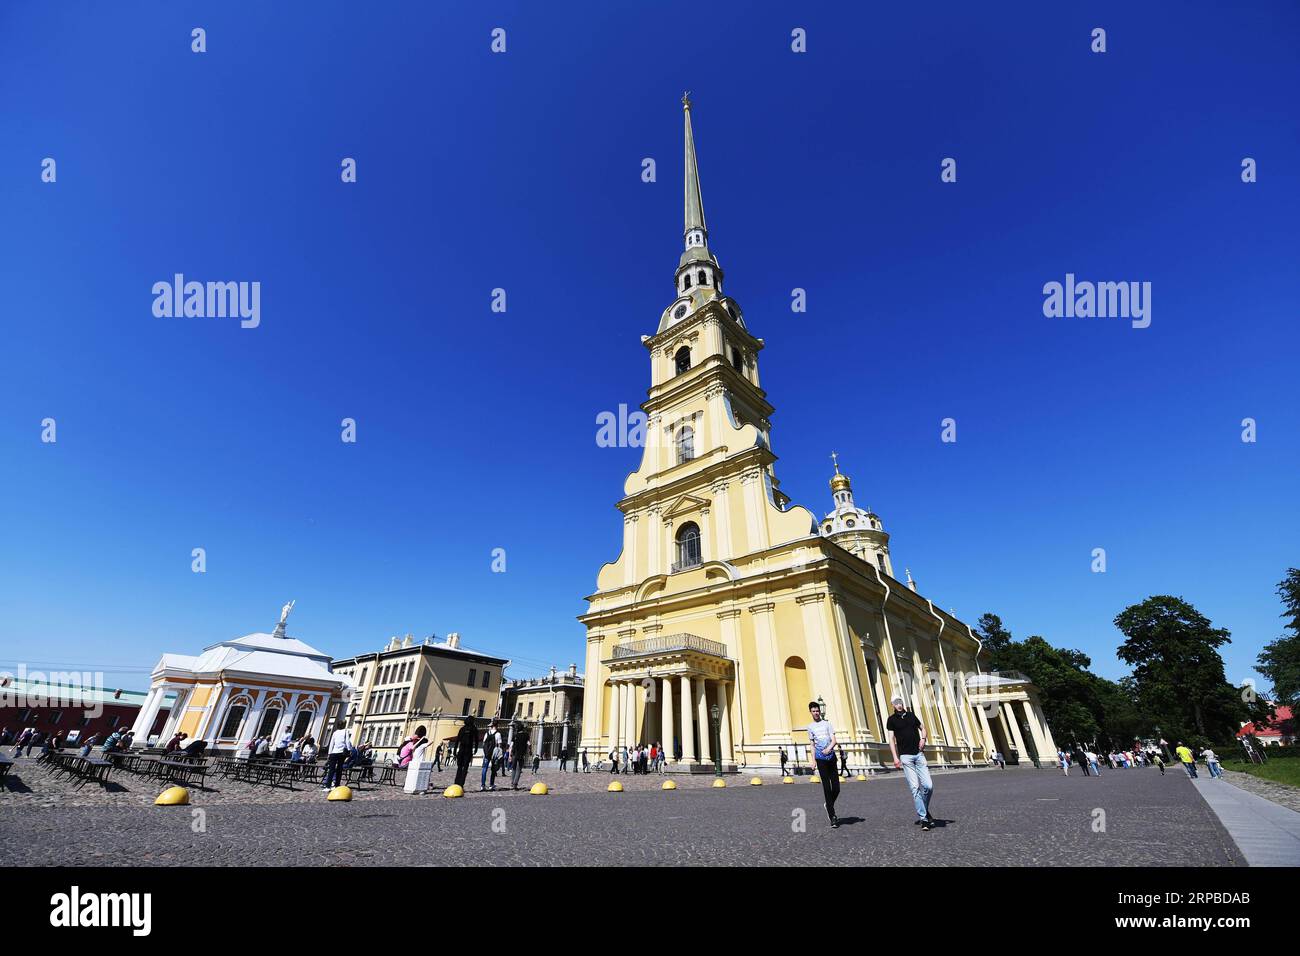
(679, 312)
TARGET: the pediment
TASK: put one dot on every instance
(685, 505)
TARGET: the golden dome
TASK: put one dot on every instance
(840, 482)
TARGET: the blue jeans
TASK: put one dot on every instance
(1215, 769)
(918, 781)
(1190, 768)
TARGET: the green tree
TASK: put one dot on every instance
(994, 638)
(1280, 660)
(1178, 672)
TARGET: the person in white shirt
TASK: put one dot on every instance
(1212, 761)
(340, 748)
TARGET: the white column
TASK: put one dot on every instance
(989, 742)
(1040, 743)
(668, 717)
(144, 719)
(725, 716)
(615, 702)
(688, 739)
(705, 721)
(174, 715)
(207, 726)
(629, 691)
(1010, 717)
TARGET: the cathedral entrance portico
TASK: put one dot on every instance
(665, 690)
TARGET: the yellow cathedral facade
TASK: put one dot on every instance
(729, 608)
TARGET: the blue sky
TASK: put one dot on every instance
(476, 430)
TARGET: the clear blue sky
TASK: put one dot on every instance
(476, 430)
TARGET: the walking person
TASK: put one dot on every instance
(491, 744)
(1189, 761)
(785, 758)
(1063, 761)
(822, 738)
(586, 767)
(465, 744)
(339, 750)
(907, 743)
(564, 760)
(1212, 761)
(844, 762)
(1159, 760)
(518, 753)
(1093, 759)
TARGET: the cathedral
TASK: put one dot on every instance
(730, 609)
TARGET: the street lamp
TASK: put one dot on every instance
(717, 741)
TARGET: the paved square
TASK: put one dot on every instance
(1015, 817)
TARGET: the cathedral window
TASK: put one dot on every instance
(686, 281)
(880, 560)
(688, 547)
(682, 359)
(850, 523)
(702, 278)
(685, 444)
(736, 362)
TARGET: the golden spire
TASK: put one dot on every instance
(839, 482)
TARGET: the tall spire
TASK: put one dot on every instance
(694, 201)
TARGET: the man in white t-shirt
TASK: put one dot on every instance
(340, 749)
(822, 739)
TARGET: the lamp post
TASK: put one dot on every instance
(717, 741)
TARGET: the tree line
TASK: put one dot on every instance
(1177, 688)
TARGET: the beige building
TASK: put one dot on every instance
(729, 608)
(550, 708)
(411, 683)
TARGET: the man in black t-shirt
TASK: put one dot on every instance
(907, 742)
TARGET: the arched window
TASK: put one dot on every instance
(302, 723)
(736, 362)
(702, 277)
(688, 547)
(682, 359)
(234, 717)
(686, 281)
(685, 444)
(270, 718)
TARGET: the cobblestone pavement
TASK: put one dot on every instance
(1012, 817)
(1279, 793)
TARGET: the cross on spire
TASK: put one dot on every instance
(835, 458)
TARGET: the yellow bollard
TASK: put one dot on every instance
(455, 790)
(815, 778)
(539, 789)
(718, 783)
(173, 797)
(669, 785)
(615, 787)
(862, 776)
(787, 779)
(755, 782)
(340, 793)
